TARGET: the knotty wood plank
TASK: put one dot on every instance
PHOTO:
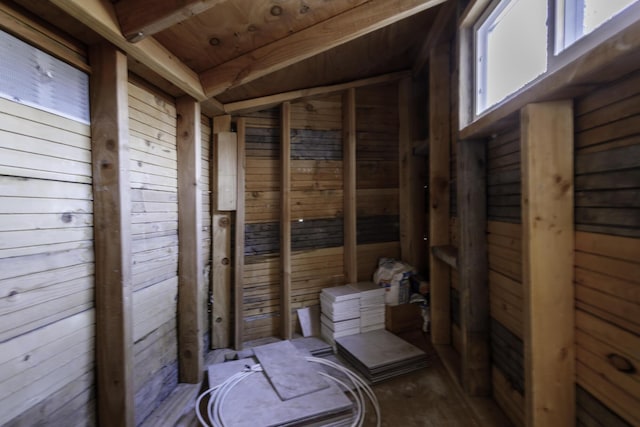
(439, 148)
(313, 40)
(112, 206)
(142, 18)
(285, 221)
(221, 281)
(240, 236)
(190, 359)
(349, 171)
(473, 267)
(548, 245)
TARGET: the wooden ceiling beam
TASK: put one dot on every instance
(340, 29)
(100, 16)
(142, 18)
(442, 24)
(264, 102)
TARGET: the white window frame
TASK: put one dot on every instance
(479, 10)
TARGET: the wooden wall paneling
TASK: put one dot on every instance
(411, 180)
(285, 221)
(221, 254)
(349, 186)
(439, 148)
(112, 206)
(262, 225)
(240, 237)
(473, 267)
(607, 325)
(377, 176)
(190, 356)
(155, 243)
(46, 269)
(547, 245)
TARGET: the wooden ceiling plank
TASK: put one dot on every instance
(340, 29)
(265, 102)
(100, 16)
(142, 18)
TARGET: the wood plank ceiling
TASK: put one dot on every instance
(222, 51)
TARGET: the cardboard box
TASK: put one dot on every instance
(403, 317)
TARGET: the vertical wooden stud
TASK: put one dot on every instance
(473, 267)
(190, 268)
(239, 247)
(411, 179)
(547, 247)
(349, 171)
(112, 229)
(220, 257)
(221, 280)
(226, 169)
(439, 147)
(285, 221)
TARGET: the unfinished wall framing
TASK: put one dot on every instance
(317, 200)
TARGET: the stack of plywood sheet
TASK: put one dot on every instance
(379, 355)
(372, 310)
(340, 306)
(288, 391)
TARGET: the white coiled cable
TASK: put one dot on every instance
(219, 393)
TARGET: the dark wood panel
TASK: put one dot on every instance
(317, 234)
(262, 142)
(504, 177)
(307, 144)
(591, 412)
(455, 306)
(507, 354)
(378, 229)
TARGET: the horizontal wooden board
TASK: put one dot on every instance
(596, 340)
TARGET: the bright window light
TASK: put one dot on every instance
(510, 49)
(577, 18)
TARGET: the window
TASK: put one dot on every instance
(511, 49)
(35, 78)
(513, 43)
(577, 18)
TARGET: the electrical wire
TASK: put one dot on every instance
(218, 394)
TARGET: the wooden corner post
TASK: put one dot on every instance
(473, 268)
(285, 221)
(439, 153)
(349, 171)
(190, 266)
(547, 247)
(112, 233)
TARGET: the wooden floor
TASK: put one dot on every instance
(426, 398)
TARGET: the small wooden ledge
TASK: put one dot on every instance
(447, 254)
